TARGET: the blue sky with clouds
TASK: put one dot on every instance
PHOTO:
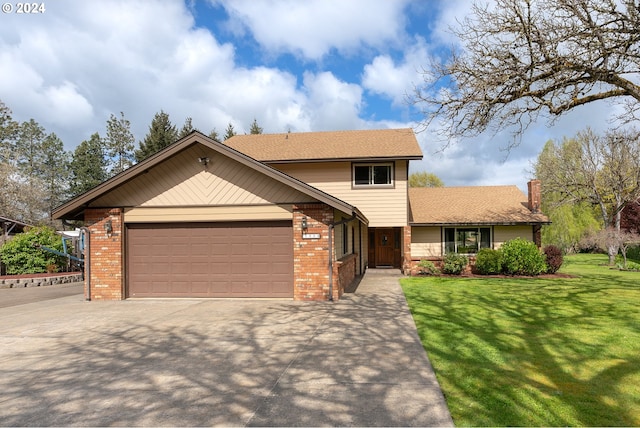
(301, 65)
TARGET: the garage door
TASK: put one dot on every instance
(240, 259)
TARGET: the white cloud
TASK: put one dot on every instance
(312, 28)
(395, 81)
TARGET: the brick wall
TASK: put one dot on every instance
(406, 250)
(344, 272)
(106, 262)
(311, 256)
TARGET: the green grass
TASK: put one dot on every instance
(535, 352)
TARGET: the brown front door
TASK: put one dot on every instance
(385, 247)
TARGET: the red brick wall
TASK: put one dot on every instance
(344, 272)
(311, 256)
(406, 250)
(106, 262)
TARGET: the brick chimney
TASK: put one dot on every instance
(534, 195)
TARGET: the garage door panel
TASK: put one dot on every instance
(210, 260)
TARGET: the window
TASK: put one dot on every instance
(345, 239)
(373, 174)
(466, 240)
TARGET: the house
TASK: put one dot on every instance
(291, 215)
(464, 220)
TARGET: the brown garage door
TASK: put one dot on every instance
(240, 259)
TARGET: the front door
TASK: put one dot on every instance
(385, 247)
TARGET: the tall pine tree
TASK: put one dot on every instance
(229, 132)
(55, 172)
(30, 167)
(120, 143)
(161, 134)
(88, 165)
(255, 128)
(187, 128)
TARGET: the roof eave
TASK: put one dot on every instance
(346, 159)
(480, 223)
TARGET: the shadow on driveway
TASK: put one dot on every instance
(218, 362)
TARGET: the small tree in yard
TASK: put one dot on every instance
(23, 254)
(609, 237)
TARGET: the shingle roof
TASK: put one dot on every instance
(471, 205)
(329, 145)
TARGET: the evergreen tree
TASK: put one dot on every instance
(255, 129)
(120, 143)
(8, 133)
(214, 135)
(229, 132)
(9, 206)
(55, 171)
(88, 165)
(30, 162)
(187, 128)
(161, 134)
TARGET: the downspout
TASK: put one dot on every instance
(87, 259)
(331, 227)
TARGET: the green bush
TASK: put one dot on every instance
(634, 253)
(21, 254)
(425, 267)
(522, 257)
(489, 261)
(454, 264)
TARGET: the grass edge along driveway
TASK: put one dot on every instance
(534, 352)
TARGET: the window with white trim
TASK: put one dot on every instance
(466, 240)
(375, 174)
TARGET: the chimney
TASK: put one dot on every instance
(534, 195)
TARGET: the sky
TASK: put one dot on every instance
(299, 66)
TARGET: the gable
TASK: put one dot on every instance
(182, 180)
(175, 175)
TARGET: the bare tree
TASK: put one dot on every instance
(601, 170)
(521, 59)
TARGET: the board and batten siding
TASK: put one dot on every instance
(183, 181)
(502, 234)
(426, 242)
(383, 207)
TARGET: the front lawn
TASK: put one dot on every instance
(535, 352)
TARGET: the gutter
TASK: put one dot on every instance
(331, 227)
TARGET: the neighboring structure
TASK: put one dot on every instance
(292, 215)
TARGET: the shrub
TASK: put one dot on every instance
(425, 267)
(454, 264)
(634, 253)
(522, 257)
(22, 255)
(553, 258)
(489, 261)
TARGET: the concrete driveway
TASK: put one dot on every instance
(218, 362)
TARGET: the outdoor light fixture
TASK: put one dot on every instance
(304, 223)
(204, 160)
(108, 227)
